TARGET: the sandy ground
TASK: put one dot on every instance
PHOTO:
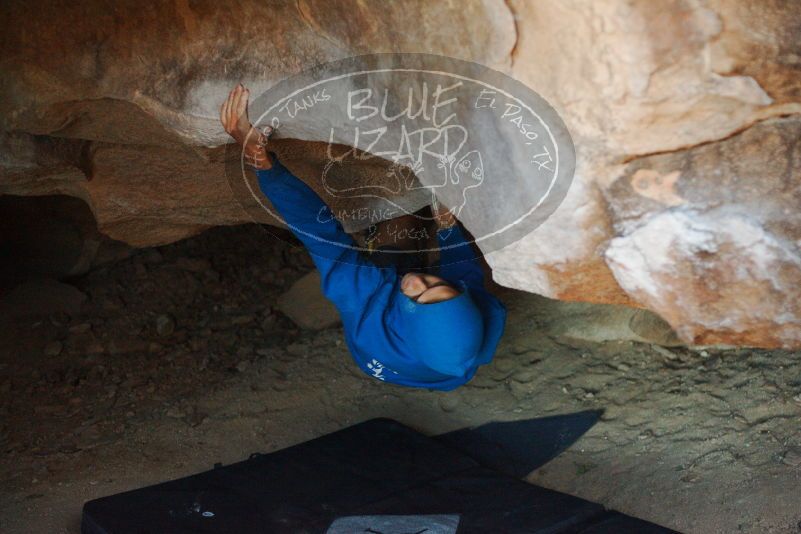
(177, 361)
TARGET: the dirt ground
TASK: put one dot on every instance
(176, 361)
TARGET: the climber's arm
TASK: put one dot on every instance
(347, 279)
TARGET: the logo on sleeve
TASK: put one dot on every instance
(377, 369)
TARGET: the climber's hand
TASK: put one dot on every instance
(444, 216)
(234, 114)
(234, 118)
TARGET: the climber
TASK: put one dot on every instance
(409, 328)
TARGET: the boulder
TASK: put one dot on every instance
(685, 117)
(599, 323)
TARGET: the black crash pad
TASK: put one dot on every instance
(375, 468)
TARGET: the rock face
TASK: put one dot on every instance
(728, 256)
(685, 115)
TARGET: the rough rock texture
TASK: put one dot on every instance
(703, 84)
(591, 322)
(126, 115)
(730, 258)
(685, 116)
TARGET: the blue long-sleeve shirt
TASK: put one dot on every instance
(392, 338)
